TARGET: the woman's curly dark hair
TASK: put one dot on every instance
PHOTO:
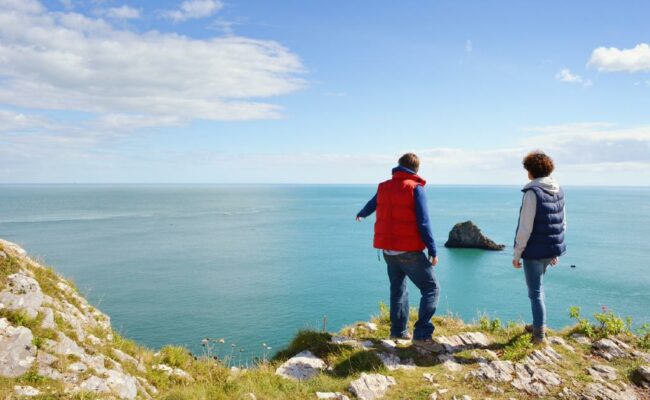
(538, 164)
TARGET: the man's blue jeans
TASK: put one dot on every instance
(415, 266)
(534, 271)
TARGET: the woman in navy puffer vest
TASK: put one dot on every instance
(540, 233)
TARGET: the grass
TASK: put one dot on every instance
(214, 380)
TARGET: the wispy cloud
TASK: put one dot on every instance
(469, 47)
(565, 75)
(74, 62)
(613, 59)
(585, 153)
(192, 9)
(122, 12)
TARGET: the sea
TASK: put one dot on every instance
(253, 264)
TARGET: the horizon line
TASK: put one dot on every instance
(294, 184)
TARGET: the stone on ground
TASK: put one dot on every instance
(22, 293)
(26, 391)
(302, 366)
(17, 353)
(371, 386)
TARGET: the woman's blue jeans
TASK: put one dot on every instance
(534, 271)
(415, 266)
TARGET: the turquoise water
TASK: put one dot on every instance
(252, 264)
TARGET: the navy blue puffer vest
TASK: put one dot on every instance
(547, 238)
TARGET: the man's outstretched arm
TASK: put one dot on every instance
(368, 209)
(424, 224)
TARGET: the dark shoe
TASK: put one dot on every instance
(528, 328)
(406, 336)
(539, 336)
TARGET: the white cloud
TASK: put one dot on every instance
(468, 46)
(122, 12)
(612, 59)
(194, 9)
(11, 121)
(68, 61)
(565, 75)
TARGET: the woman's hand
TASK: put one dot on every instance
(433, 260)
(554, 261)
(516, 263)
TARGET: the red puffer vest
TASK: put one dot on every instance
(396, 227)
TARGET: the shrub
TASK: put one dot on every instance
(610, 323)
(491, 325)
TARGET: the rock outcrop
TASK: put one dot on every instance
(302, 366)
(468, 235)
(371, 386)
(54, 344)
(57, 339)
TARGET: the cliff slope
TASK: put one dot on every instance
(55, 345)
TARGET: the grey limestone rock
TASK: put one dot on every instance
(468, 235)
(496, 371)
(463, 341)
(26, 391)
(598, 391)
(602, 373)
(122, 385)
(302, 366)
(608, 349)
(371, 386)
(17, 354)
(22, 293)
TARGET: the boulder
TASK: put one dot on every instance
(467, 235)
(22, 293)
(302, 366)
(608, 349)
(371, 386)
(17, 354)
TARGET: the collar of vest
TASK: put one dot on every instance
(402, 174)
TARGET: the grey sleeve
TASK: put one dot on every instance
(526, 218)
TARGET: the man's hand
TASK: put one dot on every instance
(433, 260)
(554, 261)
(516, 263)
(358, 218)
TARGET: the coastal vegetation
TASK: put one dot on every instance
(55, 345)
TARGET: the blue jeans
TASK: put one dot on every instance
(415, 266)
(534, 271)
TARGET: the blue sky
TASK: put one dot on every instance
(322, 91)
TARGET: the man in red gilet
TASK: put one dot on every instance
(402, 232)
